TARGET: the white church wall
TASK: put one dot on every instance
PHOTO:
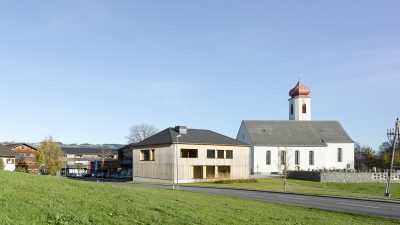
(331, 156)
(324, 158)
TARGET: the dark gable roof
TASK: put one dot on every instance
(193, 136)
(295, 133)
(6, 151)
(88, 151)
(18, 144)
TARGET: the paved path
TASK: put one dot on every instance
(348, 205)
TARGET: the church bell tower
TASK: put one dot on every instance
(299, 103)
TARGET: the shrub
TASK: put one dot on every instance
(20, 169)
(1, 164)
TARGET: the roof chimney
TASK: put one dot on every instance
(181, 129)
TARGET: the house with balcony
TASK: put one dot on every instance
(80, 160)
(190, 155)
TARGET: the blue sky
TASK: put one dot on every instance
(85, 71)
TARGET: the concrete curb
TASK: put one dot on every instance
(302, 194)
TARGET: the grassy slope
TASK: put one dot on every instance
(31, 199)
(311, 187)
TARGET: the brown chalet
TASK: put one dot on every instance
(25, 156)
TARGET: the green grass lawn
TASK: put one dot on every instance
(33, 199)
(368, 190)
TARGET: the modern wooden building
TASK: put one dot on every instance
(190, 155)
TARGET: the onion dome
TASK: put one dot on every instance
(299, 90)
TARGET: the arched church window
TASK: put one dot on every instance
(291, 109)
(304, 108)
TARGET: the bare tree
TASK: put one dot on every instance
(140, 132)
(284, 164)
(104, 154)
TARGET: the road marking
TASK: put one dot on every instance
(366, 206)
(280, 196)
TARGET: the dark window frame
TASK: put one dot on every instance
(340, 155)
(311, 158)
(291, 109)
(218, 154)
(268, 157)
(145, 155)
(189, 153)
(297, 157)
(283, 157)
(229, 156)
(209, 155)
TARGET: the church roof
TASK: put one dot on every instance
(294, 133)
(299, 90)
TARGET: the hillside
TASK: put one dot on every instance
(33, 199)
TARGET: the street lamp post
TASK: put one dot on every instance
(174, 159)
(393, 136)
(177, 161)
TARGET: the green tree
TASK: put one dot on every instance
(370, 157)
(384, 160)
(1, 164)
(49, 156)
(385, 155)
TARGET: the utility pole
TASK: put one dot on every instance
(393, 136)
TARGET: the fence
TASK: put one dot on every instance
(344, 177)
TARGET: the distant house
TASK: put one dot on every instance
(89, 160)
(25, 156)
(8, 158)
(188, 155)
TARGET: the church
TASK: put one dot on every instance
(299, 143)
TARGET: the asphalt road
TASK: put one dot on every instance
(348, 205)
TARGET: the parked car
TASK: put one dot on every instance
(86, 175)
(71, 175)
(99, 175)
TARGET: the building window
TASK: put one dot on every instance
(152, 155)
(297, 157)
(283, 158)
(211, 153)
(268, 157)
(291, 109)
(304, 108)
(229, 154)
(188, 153)
(339, 155)
(311, 158)
(220, 154)
(10, 161)
(147, 155)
